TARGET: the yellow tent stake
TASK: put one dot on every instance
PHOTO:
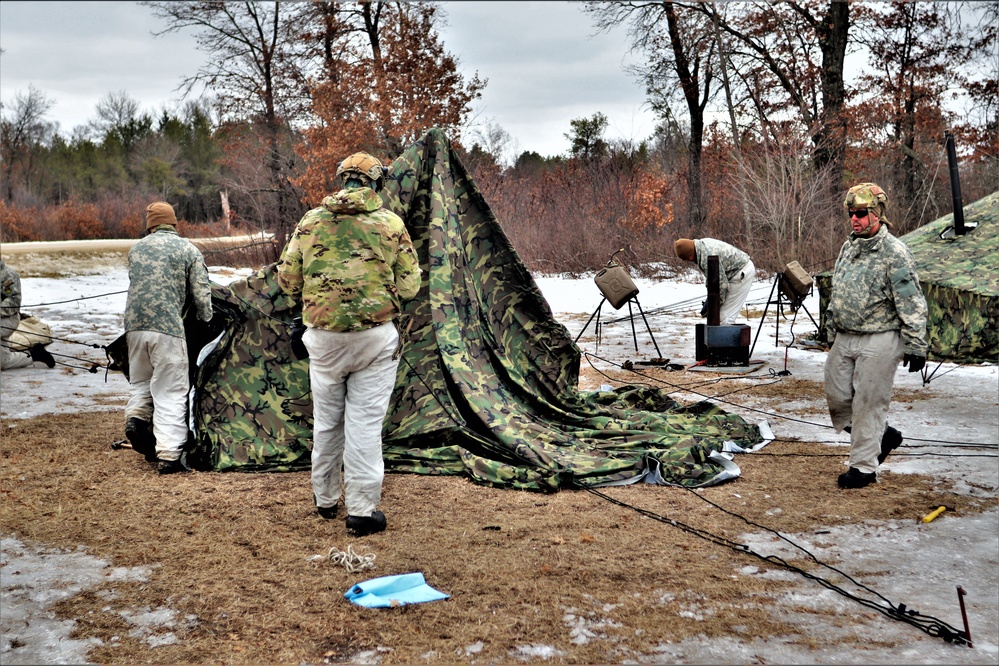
(933, 514)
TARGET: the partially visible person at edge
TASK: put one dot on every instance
(876, 317)
(351, 263)
(165, 273)
(736, 272)
(12, 355)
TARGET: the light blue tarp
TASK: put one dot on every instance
(398, 590)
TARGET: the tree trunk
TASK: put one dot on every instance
(830, 139)
(690, 86)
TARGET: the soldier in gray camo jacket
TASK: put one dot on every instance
(876, 318)
(13, 354)
(165, 272)
(736, 272)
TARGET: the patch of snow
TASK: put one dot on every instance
(32, 580)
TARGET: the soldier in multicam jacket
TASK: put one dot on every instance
(12, 354)
(165, 273)
(736, 271)
(352, 264)
(876, 318)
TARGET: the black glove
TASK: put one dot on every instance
(40, 353)
(704, 308)
(297, 346)
(914, 361)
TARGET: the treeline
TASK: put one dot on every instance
(761, 128)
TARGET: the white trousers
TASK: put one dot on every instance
(13, 357)
(738, 292)
(159, 385)
(859, 375)
(352, 377)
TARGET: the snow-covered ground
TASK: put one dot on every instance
(928, 560)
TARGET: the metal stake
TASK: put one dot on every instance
(964, 614)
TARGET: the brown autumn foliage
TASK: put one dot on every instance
(381, 101)
(79, 221)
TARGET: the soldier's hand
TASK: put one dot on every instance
(914, 362)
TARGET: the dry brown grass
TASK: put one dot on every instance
(231, 550)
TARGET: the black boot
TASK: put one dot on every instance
(890, 441)
(170, 467)
(854, 478)
(39, 353)
(364, 525)
(140, 436)
(327, 512)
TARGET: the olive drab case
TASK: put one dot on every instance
(616, 285)
(797, 283)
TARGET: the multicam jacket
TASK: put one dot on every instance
(875, 289)
(163, 270)
(351, 261)
(10, 305)
(731, 260)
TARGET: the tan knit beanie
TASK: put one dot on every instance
(684, 248)
(159, 213)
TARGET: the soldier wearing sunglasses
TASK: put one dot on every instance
(876, 318)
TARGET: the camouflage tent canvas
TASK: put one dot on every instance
(959, 276)
(487, 385)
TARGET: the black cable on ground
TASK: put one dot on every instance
(926, 623)
(73, 300)
(54, 338)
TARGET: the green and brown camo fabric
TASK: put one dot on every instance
(959, 276)
(487, 381)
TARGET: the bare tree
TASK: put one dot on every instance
(250, 71)
(681, 53)
(22, 130)
(918, 55)
(791, 56)
(120, 124)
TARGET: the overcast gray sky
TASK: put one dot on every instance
(544, 64)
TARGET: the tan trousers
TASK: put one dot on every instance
(159, 385)
(352, 376)
(859, 375)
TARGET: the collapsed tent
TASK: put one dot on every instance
(959, 276)
(487, 384)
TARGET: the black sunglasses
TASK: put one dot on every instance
(860, 213)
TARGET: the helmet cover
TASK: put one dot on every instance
(866, 195)
(364, 165)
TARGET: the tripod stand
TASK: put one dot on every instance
(786, 295)
(631, 318)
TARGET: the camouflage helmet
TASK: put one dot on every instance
(363, 167)
(868, 195)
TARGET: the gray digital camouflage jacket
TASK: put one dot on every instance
(875, 289)
(730, 261)
(163, 270)
(10, 305)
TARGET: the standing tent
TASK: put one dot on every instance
(487, 384)
(959, 276)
